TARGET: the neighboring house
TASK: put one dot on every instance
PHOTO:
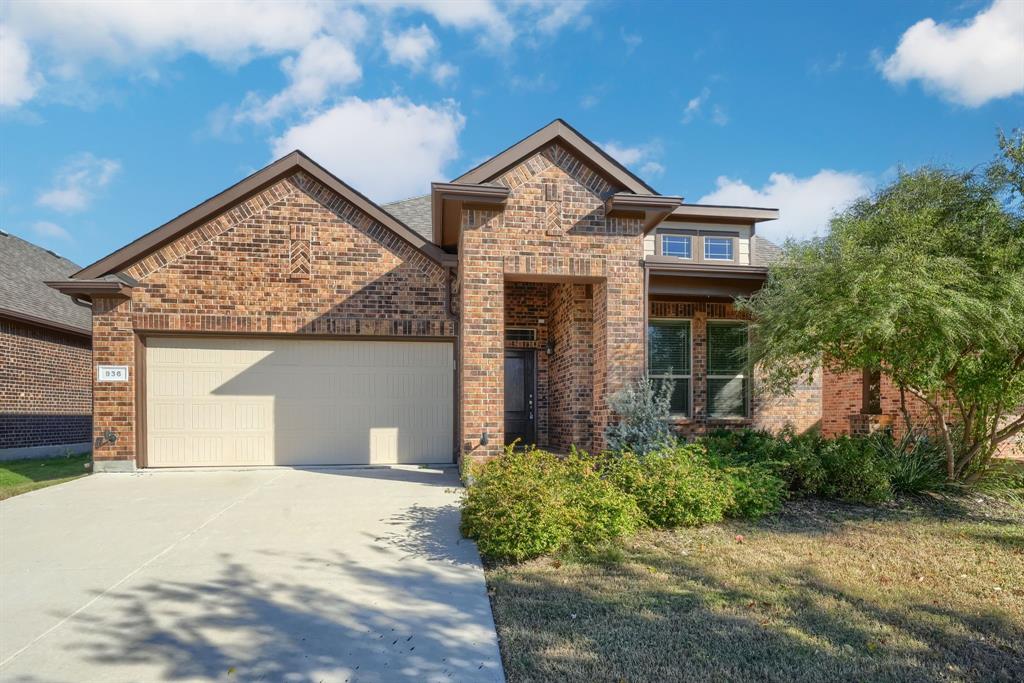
(291, 320)
(45, 356)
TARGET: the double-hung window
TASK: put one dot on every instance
(718, 249)
(668, 358)
(680, 246)
(728, 373)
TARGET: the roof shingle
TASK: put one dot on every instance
(24, 267)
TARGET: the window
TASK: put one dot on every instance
(668, 357)
(728, 379)
(871, 401)
(718, 248)
(520, 334)
(676, 245)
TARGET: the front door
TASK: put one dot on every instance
(519, 396)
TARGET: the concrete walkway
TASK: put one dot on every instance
(261, 575)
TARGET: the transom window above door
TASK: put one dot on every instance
(680, 246)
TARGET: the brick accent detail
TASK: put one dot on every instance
(45, 386)
(801, 410)
(295, 259)
(113, 403)
(572, 367)
(515, 243)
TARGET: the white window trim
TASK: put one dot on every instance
(676, 375)
(732, 249)
(742, 376)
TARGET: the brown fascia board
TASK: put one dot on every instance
(241, 191)
(670, 265)
(43, 322)
(654, 207)
(725, 214)
(557, 130)
(88, 288)
(489, 196)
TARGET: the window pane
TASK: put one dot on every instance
(676, 245)
(680, 401)
(727, 347)
(727, 397)
(668, 347)
(718, 248)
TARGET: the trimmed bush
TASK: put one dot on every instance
(673, 487)
(854, 471)
(793, 458)
(530, 503)
(756, 491)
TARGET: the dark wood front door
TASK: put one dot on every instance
(519, 396)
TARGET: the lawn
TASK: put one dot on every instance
(21, 476)
(921, 590)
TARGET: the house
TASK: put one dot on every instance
(291, 320)
(45, 356)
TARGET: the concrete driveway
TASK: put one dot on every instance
(261, 575)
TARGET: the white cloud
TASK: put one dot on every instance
(805, 204)
(554, 16)
(412, 47)
(589, 101)
(50, 230)
(443, 72)
(643, 157)
(18, 83)
(386, 148)
(693, 107)
(968, 64)
(719, 116)
(467, 15)
(321, 67)
(632, 40)
(77, 182)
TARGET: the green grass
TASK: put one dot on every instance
(922, 590)
(21, 476)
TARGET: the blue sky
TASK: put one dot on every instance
(114, 118)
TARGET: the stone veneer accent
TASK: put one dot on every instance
(553, 227)
(45, 387)
(245, 271)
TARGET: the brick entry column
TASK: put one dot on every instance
(618, 339)
(113, 403)
(481, 339)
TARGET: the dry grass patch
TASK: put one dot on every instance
(916, 591)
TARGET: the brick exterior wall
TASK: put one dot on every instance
(294, 259)
(526, 306)
(802, 410)
(572, 329)
(553, 227)
(45, 387)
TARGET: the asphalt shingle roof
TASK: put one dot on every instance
(23, 269)
(764, 252)
(414, 212)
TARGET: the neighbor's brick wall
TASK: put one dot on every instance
(552, 227)
(45, 386)
(802, 410)
(297, 259)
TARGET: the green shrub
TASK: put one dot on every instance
(756, 491)
(673, 487)
(530, 503)
(642, 417)
(793, 458)
(854, 471)
(915, 464)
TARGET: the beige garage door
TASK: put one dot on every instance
(297, 402)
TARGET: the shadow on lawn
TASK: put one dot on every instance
(672, 620)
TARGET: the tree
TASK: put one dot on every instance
(924, 281)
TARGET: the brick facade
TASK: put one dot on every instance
(553, 228)
(296, 258)
(45, 387)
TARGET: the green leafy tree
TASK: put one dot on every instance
(923, 280)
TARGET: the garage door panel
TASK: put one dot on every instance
(297, 402)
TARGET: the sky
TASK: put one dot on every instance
(115, 117)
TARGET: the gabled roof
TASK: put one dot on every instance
(414, 212)
(561, 131)
(24, 268)
(241, 191)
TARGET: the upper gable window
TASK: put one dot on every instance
(680, 246)
(718, 249)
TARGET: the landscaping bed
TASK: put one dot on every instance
(22, 476)
(921, 588)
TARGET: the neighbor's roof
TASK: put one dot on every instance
(414, 212)
(764, 252)
(24, 267)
